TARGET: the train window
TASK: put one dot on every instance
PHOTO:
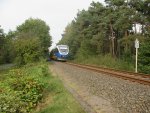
(64, 50)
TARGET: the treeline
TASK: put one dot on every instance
(28, 43)
(111, 29)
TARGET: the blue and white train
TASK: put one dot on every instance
(60, 52)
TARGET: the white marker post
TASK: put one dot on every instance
(136, 57)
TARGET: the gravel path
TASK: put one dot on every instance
(103, 93)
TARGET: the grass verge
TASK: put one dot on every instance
(106, 61)
(32, 89)
(59, 99)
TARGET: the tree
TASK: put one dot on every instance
(1, 36)
(36, 28)
(31, 41)
(144, 57)
(27, 44)
(2, 49)
(27, 50)
(108, 29)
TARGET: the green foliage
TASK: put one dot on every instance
(97, 43)
(27, 50)
(23, 88)
(86, 50)
(7, 53)
(2, 49)
(127, 45)
(109, 29)
(107, 61)
(27, 44)
(38, 29)
(10, 103)
(144, 57)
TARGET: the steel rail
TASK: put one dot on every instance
(134, 77)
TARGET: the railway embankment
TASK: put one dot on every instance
(105, 93)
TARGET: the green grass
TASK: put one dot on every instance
(107, 61)
(61, 101)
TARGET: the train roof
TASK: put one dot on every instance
(63, 46)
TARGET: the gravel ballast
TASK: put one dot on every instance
(105, 93)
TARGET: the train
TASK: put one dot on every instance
(60, 53)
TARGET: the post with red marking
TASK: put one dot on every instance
(136, 57)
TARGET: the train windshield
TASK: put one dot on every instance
(63, 49)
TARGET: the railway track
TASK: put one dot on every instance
(134, 77)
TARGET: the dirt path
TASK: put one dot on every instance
(90, 102)
(6, 66)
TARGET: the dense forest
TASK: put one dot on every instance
(109, 31)
(28, 43)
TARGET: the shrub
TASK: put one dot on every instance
(144, 57)
(23, 88)
(27, 50)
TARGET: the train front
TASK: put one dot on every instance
(63, 52)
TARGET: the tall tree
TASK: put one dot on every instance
(35, 28)
(1, 37)
(109, 29)
(2, 43)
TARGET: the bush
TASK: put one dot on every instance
(144, 57)
(23, 88)
(27, 51)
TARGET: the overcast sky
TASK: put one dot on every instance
(56, 13)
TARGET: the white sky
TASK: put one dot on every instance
(56, 13)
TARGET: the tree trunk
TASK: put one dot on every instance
(112, 41)
(126, 33)
(135, 28)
